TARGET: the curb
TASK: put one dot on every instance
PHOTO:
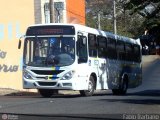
(12, 92)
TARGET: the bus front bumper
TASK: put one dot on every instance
(76, 84)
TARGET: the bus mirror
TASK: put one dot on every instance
(19, 44)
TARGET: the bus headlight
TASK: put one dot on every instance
(68, 75)
(27, 75)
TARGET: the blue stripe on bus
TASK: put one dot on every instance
(57, 68)
(54, 77)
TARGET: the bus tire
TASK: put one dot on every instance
(46, 92)
(91, 88)
(122, 90)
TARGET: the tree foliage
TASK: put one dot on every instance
(96, 7)
(127, 25)
(150, 11)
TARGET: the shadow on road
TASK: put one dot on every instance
(149, 93)
(135, 101)
(146, 97)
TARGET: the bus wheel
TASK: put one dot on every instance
(122, 88)
(46, 92)
(91, 88)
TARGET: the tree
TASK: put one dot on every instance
(94, 8)
(150, 11)
(127, 25)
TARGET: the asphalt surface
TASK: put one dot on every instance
(140, 103)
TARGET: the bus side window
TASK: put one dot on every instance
(129, 52)
(120, 50)
(102, 43)
(111, 48)
(82, 49)
(92, 45)
(137, 54)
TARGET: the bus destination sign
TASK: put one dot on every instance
(50, 30)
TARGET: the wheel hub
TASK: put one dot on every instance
(90, 86)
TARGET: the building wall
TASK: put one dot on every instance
(75, 11)
(37, 12)
(15, 17)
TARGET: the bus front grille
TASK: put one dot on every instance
(47, 83)
(48, 78)
(47, 72)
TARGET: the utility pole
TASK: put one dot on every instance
(51, 11)
(99, 20)
(114, 17)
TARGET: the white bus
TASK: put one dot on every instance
(76, 57)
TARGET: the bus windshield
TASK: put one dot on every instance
(49, 51)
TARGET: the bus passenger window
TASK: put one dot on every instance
(92, 45)
(102, 43)
(137, 54)
(111, 49)
(129, 52)
(120, 50)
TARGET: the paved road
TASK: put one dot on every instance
(142, 102)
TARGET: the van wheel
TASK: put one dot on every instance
(122, 88)
(91, 88)
(46, 92)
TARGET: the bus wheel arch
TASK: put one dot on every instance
(123, 86)
(91, 86)
(95, 79)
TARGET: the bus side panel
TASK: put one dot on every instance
(135, 75)
(113, 71)
(117, 69)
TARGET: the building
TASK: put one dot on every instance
(16, 16)
(64, 11)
